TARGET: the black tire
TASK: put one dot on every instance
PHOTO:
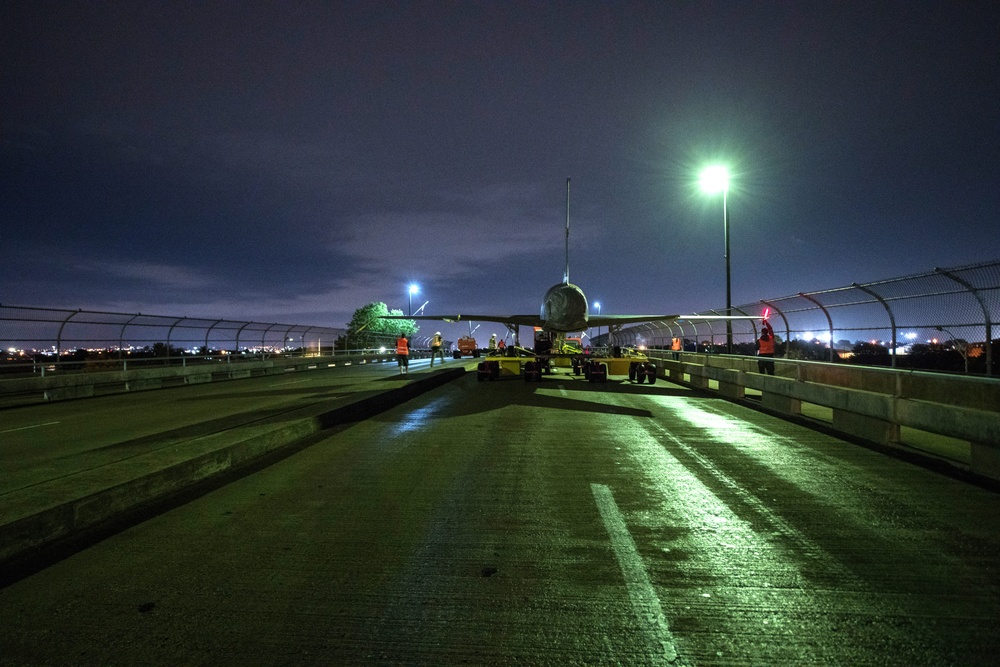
(652, 373)
(494, 369)
(456, 354)
(631, 371)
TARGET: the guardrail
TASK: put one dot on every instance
(26, 389)
(951, 418)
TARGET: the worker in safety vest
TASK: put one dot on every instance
(436, 348)
(765, 349)
(493, 343)
(403, 353)
(501, 347)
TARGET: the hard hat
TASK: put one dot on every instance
(437, 333)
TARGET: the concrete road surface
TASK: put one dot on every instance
(556, 523)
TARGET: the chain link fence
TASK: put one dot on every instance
(31, 331)
(944, 319)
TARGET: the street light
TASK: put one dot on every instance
(597, 305)
(414, 289)
(714, 179)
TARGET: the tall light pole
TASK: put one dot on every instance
(713, 179)
(597, 305)
(414, 289)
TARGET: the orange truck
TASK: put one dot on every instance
(466, 347)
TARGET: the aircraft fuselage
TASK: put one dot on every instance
(564, 309)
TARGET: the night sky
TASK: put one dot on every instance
(293, 161)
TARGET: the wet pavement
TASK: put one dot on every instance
(554, 523)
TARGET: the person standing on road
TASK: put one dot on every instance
(765, 349)
(403, 354)
(436, 348)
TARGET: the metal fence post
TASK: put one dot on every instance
(986, 314)
(892, 318)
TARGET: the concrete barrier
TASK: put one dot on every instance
(871, 404)
(61, 386)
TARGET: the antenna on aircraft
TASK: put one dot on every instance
(566, 272)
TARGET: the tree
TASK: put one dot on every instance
(367, 326)
(870, 354)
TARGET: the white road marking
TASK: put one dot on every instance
(279, 384)
(645, 603)
(25, 428)
(562, 390)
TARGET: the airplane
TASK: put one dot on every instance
(564, 310)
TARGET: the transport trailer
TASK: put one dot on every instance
(637, 367)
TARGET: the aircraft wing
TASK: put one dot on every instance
(520, 320)
(618, 320)
(592, 321)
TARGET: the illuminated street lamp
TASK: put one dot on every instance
(414, 289)
(597, 305)
(714, 179)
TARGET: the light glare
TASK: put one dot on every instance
(715, 179)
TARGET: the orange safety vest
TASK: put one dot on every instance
(766, 346)
(402, 347)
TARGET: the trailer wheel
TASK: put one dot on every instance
(631, 371)
(599, 373)
(651, 369)
(532, 371)
(494, 369)
(482, 372)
